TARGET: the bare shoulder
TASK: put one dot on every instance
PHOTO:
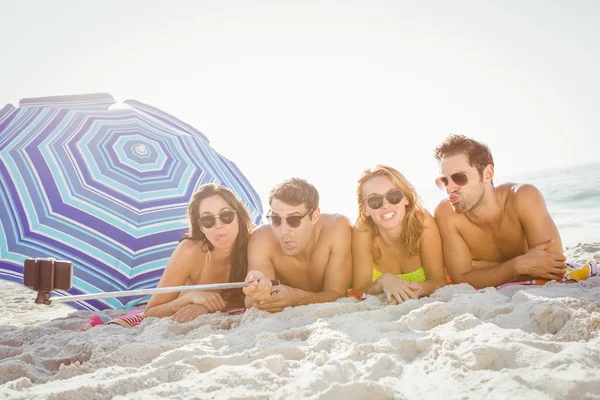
(428, 220)
(522, 195)
(187, 253)
(191, 248)
(331, 223)
(522, 190)
(444, 211)
(335, 231)
(263, 236)
(361, 235)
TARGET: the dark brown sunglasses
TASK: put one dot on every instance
(394, 196)
(293, 221)
(226, 217)
(460, 178)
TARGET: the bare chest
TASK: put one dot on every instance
(498, 243)
(307, 274)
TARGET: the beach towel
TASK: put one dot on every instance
(131, 319)
(574, 272)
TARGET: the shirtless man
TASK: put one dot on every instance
(492, 235)
(308, 252)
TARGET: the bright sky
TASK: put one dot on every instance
(324, 89)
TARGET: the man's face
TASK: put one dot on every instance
(292, 239)
(462, 198)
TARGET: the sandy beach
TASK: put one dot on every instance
(526, 342)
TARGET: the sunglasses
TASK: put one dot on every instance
(460, 178)
(293, 221)
(393, 197)
(226, 217)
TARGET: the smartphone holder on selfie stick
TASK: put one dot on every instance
(47, 274)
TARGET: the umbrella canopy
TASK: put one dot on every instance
(104, 185)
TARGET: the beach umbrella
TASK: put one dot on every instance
(104, 185)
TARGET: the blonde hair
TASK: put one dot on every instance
(412, 223)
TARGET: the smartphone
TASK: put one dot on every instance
(46, 274)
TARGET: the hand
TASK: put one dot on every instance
(282, 296)
(188, 312)
(540, 263)
(398, 290)
(259, 288)
(211, 300)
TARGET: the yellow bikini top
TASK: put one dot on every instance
(415, 276)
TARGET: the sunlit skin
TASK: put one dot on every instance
(494, 235)
(313, 261)
(395, 258)
(186, 263)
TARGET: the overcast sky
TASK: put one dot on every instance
(325, 89)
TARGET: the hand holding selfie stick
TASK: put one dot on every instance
(45, 275)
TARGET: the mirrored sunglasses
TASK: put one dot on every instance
(460, 178)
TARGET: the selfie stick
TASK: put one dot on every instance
(46, 275)
(141, 292)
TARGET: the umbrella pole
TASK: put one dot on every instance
(142, 292)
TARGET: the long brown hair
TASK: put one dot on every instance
(239, 254)
(412, 223)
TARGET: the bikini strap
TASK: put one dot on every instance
(207, 260)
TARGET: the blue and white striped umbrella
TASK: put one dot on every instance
(103, 185)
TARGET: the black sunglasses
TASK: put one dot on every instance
(460, 178)
(226, 217)
(394, 196)
(293, 221)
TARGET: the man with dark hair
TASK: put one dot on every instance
(309, 252)
(492, 235)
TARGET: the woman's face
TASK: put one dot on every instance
(379, 193)
(219, 222)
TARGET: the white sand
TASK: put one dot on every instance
(518, 342)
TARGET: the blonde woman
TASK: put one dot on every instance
(396, 244)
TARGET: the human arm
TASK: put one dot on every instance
(431, 257)
(338, 270)
(189, 312)
(533, 214)
(260, 266)
(176, 273)
(362, 262)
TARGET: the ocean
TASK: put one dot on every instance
(572, 196)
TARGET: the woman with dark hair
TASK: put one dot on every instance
(213, 251)
(396, 245)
